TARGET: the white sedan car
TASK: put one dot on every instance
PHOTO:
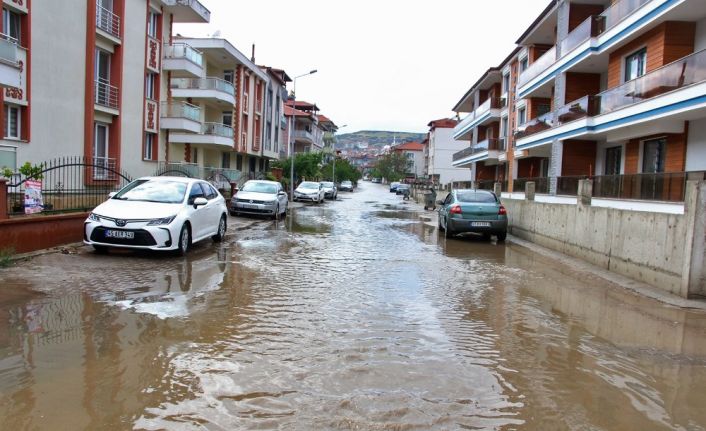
(158, 213)
(309, 191)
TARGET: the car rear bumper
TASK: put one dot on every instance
(477, 226)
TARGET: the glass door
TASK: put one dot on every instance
(100, 151)
(653, 158)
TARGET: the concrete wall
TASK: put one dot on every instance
(27, 234)
(648, 247)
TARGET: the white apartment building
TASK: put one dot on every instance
(440, 150)
(275, 142)
(414, 153)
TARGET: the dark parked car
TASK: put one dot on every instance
(477, 211)
(400, 190)
(346, 186)
(393, 186)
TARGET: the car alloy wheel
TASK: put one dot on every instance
(184, 240)
(448, 232)
(222, 226)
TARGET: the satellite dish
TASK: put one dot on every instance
(216, 34)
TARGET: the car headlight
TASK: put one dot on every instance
(94, 217)
(161, 221)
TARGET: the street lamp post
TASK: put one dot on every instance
(333, 145)
(291, 135)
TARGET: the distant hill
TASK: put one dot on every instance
(375, 138)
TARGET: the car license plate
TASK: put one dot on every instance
(121, 234)
(480, 224)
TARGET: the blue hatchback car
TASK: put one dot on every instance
(476, 211)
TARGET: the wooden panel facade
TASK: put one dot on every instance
(579, 85)
(579, 12)
(579, 157)
(530, 167)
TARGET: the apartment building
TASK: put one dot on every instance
(601, 89)
(215, 112)
(307, 126)
(439, 148)
(275, 143)
(414, 153)
(14, 39)
(94, 91)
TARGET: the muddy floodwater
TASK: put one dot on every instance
(352, 315)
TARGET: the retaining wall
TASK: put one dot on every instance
(25, 234)
(660, 249)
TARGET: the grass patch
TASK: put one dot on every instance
(6, 257)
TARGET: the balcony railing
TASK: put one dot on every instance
(107, 21)
(663, 186)
(217, 129)
(303, 134)
(586, 106)
(8, 49)
(539, 66)
(619, 11)
(590, 27)
(681, 73)
(106, 94)
(535, 125)
(183, 50)
(170, 168)
(181, 110)
(103, 168)
(541, 184)
(202, 84)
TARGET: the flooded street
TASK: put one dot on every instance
(350, 315)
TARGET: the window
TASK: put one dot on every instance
(150, 144)
(228, 76)
(522, 116)
(100, 151)
(225, 160)
(209, 191)
(239, 162)
(195, 192)
(503, 127)
(227, 118)
(613, 160)
(524, 63)
(195, 156)
(150, 83)
(12, 122)
(635, 64)
(102, 66)
(506, 83)
(11, 25)
(543, 108)
(152, 21)
(653, 155)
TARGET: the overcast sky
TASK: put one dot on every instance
(382, 64)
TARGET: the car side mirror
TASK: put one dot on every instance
(282, 193)
(112, 194)
(198, 202)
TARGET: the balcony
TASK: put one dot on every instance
(180, 57)
(303, 135)
(192, 170)
(108, 23)
(486, 149)
(593, 28)
(215, 135)
(673, 91)
(187, 11)
(203, 88)
(10, 75)
(487, 112)
(106, 96)
(181, 116)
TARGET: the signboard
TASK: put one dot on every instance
(33, 197)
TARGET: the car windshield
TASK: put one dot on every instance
(260, 188)
(346, 183)
(309, 185)
(327, 184)
(475, 196)
(166, 192)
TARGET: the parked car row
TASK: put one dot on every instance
(172, 213)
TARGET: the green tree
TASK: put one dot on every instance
(345, 171)
(392, 167)
(306, 165)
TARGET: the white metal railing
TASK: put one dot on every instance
(202, 84)
(103, 168)
(303, 134)
(8, 49)
(107, 21)
(181, 110)
(106, 94)
(185, 51)
(217, 129)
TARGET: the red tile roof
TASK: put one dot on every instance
(302, 105)
(409, 146)
(444, 123)
(291, 112)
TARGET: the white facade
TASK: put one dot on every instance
(442, 147)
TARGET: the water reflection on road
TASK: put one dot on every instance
(350, 315)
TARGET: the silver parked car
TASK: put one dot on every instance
(347, 186)
(309, 191)
(260, 197)
(330, 190)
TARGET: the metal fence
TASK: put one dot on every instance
(541, 184)
(67, 184)
(668, 187)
